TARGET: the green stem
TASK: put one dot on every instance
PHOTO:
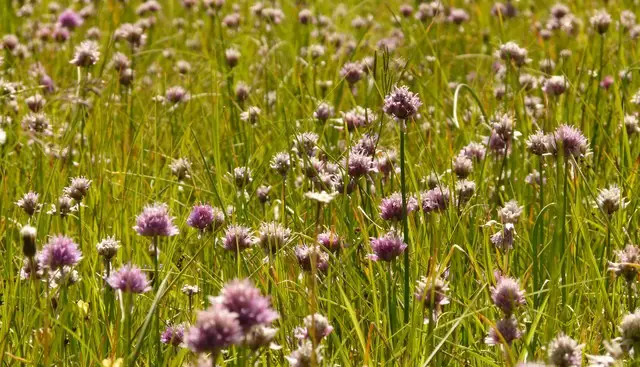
(405, 224)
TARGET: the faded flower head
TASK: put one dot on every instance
(86, 54)
(316, 327)
(305, 354)
(180, 168)
(58, 252)
(387, 247)
(503, 239)
(155, 221)
(556, 85)
(600, 21)
(565, 352)
(273, 236)
(628, 263)
(309, 255)
(177, 94)
(352, 72)
(260, 336)
(432, 293)
(129, 278)
(78, 188)
(510, 51)
(537, 143)
(108, 247)
(436, 199)
(630, 330)
(323, 112)
(281, 162)
(29, 203)
(358, 117)
(242, 177)
(609, 199)
(331, 241)
(28, 235)
(238, 238)
(510, 212)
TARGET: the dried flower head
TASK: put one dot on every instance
(78, 188)
(316, 327)
(180, 168)
(628, 263)
(432, 293)
(273, 236)
(510, 212)
(609, 199)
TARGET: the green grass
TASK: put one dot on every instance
(561, 249)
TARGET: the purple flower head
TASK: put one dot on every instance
(367, 144)
(316, 327)
(238, 238)
(323, 112)
(507, 295)
(155, 221)
(281, 162)
(387, 247)
(391, 207)
(173, 335)
(70, 19)
(177, 95)
(205, 218)
(555, 86)
(259, 337)
(462, 166)
(504, 332)
(510, 51)
(244, 299)
(401, 103)
(308, 255)
(216, 328)
(475, 151)
(571, 140)
(436, 199)
(565, 352)
(58, 252)
(510, 213)
(306, 143)
(331, 241)
(129, 278)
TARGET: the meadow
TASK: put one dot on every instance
(319, 183)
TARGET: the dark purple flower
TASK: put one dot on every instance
(401, 103)
(387, 247)
(507, 295)
(360, 164)
(86, 54)
(504, 332)
(216, 328)
(244, 299)
(129, 278)
(78, 188)
(352, 72)
(391, 207)
(173, 335)
(238, 238)
(70, 19)
(205, 218)
(58, 252)
(155, 221)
